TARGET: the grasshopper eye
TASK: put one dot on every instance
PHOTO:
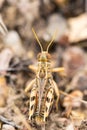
(48, 57)
(38, 56)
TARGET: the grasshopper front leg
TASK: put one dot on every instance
(59, 70)
(33, 68)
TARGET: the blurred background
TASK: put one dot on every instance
(19, 49)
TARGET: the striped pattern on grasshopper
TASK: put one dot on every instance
(43, 89)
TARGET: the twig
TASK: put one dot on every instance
(43, 127)
(6, 121)
(64, 93)
(23, 119)
(3, 29)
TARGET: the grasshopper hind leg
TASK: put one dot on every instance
(49, 103)
(32, 104)
(56, 94)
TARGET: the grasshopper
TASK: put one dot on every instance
(43, 89)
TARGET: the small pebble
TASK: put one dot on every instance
(79, 81)
(56, 23)
(5, 57)
(78, 28)
(7, 127)
(74, 60)
(13, 41)
(70, 127)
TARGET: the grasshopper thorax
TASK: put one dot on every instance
(44, 57)
(44, 65)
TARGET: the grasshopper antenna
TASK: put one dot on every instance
(51, 40)
(37, 39)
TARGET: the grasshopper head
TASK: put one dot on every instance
(44, 56)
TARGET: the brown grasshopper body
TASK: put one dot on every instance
(43, 89)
